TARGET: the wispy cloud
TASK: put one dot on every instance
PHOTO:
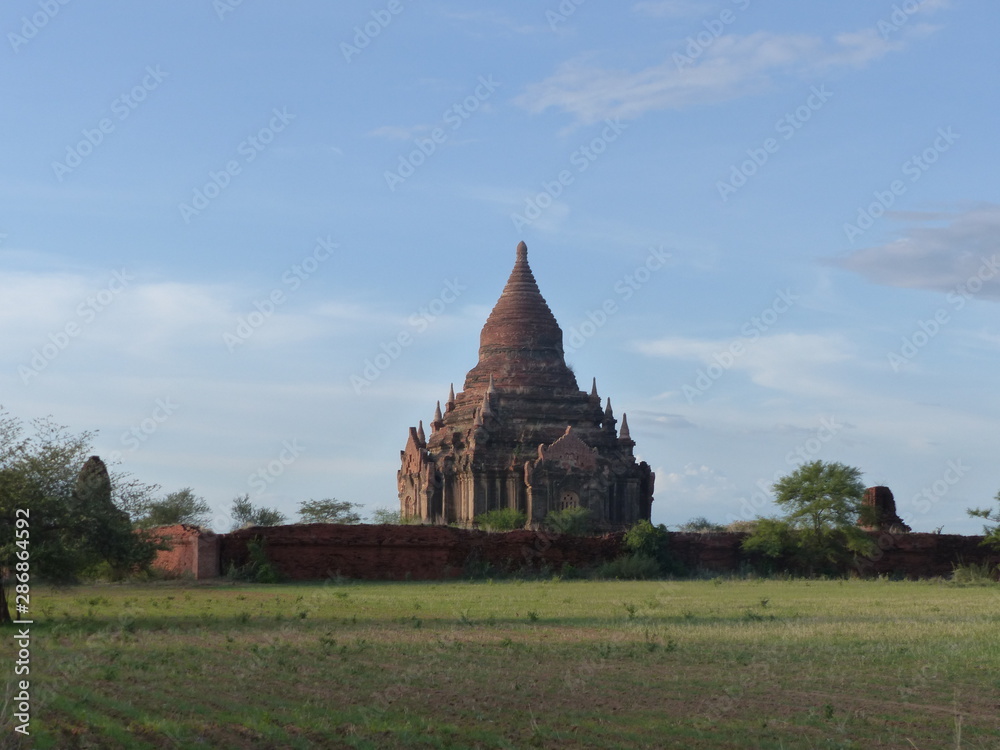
(788, 362)
(731, 67)
(942, 258)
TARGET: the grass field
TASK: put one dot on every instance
(562, 664)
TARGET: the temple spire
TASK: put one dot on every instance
(451, 398)
(438, 421)
(421, 436)
(624, 438)
(521, 344)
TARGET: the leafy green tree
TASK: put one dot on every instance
(182, 506)
(644, 540)
(387, 516)
(991, 534)
(330, 510)
(245, 514)
(58, 520)
(819, 531)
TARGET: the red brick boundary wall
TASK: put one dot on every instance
(319, 551)
(193, 551)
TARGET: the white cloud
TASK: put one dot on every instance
(961, 253)
(731, 67)
(788, 362)
(697, 488)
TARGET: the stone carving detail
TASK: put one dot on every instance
(570, 452)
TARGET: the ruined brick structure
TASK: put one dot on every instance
(880, 511)
(521, 434)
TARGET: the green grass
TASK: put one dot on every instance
(575, 664)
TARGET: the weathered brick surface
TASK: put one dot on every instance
(318, 551)
(192, 551)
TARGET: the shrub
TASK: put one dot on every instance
(633, 567)
(575, 521)
(702, 525)
(503, 519)
(643, 537)
(258, 568)
(974, 573)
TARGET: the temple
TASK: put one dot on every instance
(521, 434)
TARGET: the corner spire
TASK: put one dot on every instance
(438, 421)
(624, 433)
(421, 436)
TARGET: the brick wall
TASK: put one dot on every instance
(193, 551)
(318, 551)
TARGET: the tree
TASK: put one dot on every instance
(387, 516)
(991, 534)
(58, 521)
(330, 510)
(182, 506)
(819, 531)
(245, 514)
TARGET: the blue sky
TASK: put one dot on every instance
(251, 243)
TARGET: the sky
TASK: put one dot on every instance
(251, 243)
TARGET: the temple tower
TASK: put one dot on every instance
(521, 434)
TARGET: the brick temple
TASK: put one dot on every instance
(521, 434)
